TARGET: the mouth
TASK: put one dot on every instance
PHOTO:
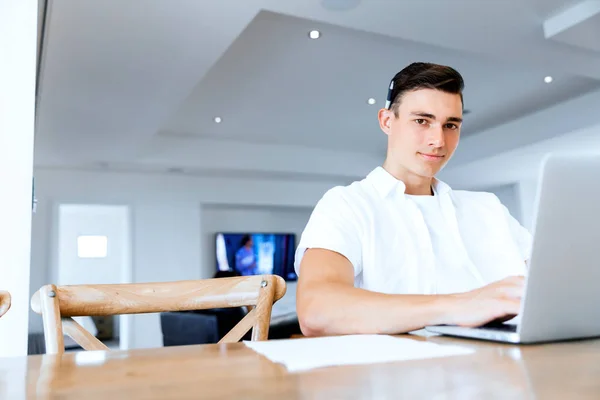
(432, 157)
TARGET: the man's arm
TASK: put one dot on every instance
(329, 304)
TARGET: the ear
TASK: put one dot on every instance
(385, 117)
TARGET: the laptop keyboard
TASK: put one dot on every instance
(500, 327)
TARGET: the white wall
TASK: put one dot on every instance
(75, 220)
(527, 189)
(166, 247)
(18, 27)
(167, 221)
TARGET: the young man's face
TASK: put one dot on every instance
(426, 132)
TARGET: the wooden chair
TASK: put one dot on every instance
(4, 302)
(57, 304)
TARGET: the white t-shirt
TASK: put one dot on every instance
(452, 242)
(451, 274)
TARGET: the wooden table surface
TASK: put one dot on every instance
(551, 371)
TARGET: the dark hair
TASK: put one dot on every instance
(420, 75)
(245, 239)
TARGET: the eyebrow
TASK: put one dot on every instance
(431, 116)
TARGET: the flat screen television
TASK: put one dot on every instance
(252, 253)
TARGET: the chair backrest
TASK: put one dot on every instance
(4, 302)
(57, 304)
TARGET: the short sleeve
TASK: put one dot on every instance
(521, 236)
(333, 225)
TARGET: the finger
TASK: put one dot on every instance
(516, 279)
(505, 318)
(501, 310)
(510, 280)
(511, 291)
(510, 307)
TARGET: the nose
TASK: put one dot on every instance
(436, 137)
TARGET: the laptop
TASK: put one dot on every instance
(562, 288)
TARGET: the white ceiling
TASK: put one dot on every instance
(136, 83)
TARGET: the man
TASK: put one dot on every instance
(245, 259)
(400, 249)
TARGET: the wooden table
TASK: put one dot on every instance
(552, 371)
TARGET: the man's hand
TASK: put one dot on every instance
(497, 301)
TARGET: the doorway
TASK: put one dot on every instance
(94, 247)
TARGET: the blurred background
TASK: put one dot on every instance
(160, 124)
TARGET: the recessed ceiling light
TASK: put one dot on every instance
(548, 79)
(371, 101)
(314, 34)
(218, 120)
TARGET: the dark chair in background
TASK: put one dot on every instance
(185, 328)
(201, 326)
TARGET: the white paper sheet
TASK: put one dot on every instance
(309, 353)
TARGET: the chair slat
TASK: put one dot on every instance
(81, 336)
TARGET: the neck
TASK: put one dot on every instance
(415, 184)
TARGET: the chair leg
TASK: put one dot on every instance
(53, 333)
(260, 330)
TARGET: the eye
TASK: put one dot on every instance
(451, 126)
(421, 121)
